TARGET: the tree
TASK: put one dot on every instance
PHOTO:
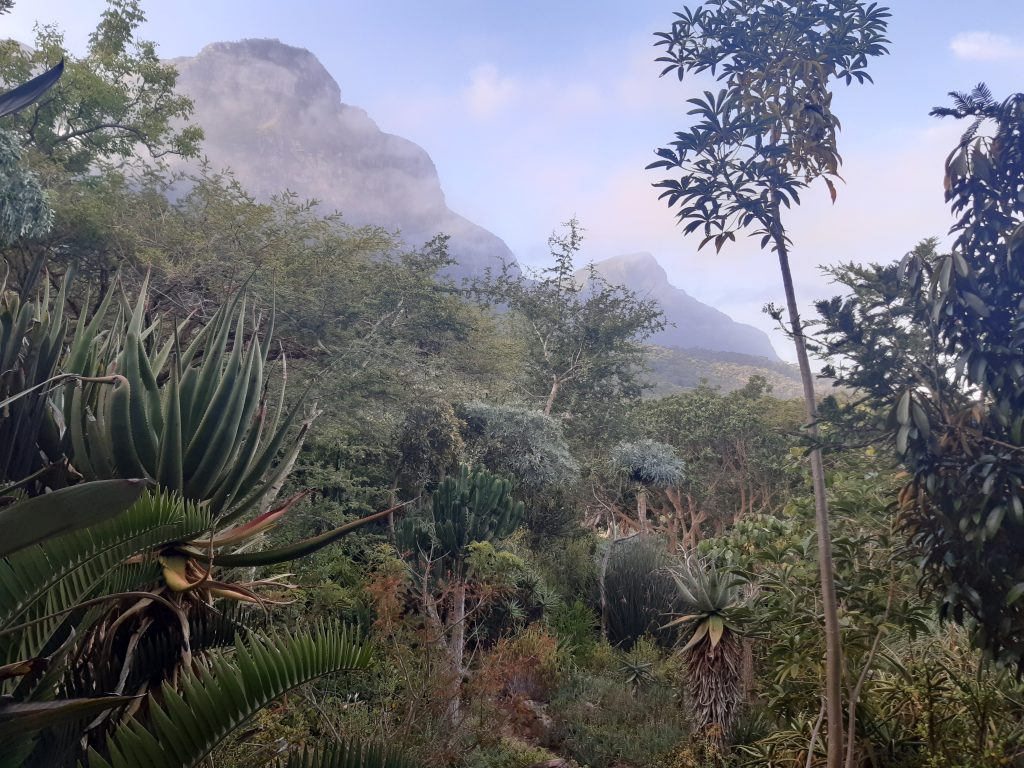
(117, 98)
(646, 464)
(519, 443)
(934, 343)
(24, 211)
(755, 145)
(107, 592)
(584, 336)
(736, 450)
(468, 508)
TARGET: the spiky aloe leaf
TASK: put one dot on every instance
(34, 520)
(182, 728)
(299, 548)
(352, 754)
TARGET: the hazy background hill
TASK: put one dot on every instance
(692, 324)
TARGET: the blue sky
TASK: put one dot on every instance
(537, 111)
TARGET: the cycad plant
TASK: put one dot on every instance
(712, 650)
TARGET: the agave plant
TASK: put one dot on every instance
(712, 650)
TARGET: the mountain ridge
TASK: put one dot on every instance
(693, 324)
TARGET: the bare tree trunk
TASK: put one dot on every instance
(555, 383)
(833, 646)
(457, 648)
(612, 533)
(641, 508)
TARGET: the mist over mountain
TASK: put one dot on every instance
(274, 114)
(693, 324)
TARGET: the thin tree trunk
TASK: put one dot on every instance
(458, 648)
(833, 647)
(555, 383)
(641, 508)
(612, 533)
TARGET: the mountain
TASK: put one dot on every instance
(273, 114)
(693, 325)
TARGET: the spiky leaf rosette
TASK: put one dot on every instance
(192, 417)
(712, 650)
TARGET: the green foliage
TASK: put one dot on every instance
(584, 337)
(640, 593)
(24, 209)
(518, 442)
(712, 651)
(647, 462)
(347, 755)
(735, 447)
(601, 723)
(429, 444)
(109, 102)
(508, 753)
(771, 129)
(468, 507)
(31, 342)
(190, 721)
(192, 417)
(943, 362)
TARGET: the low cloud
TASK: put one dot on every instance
(986, 46)
(490, 92)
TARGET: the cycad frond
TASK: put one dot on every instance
(348, 755)
(52, 577)
(184, 727)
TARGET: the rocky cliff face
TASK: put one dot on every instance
(274, 115)
(695, 324)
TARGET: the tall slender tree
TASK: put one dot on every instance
(754, 146)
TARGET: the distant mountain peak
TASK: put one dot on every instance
(273, 114)
(695, 325)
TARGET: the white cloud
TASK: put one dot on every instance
(490, 92)
(986, 46)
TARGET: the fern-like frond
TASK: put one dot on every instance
(182, 728)
(56, 575)
(348, 755)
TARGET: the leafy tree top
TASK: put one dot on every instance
(584, 337)
(770, 130)
(116, 99)
(647, 462)
(519, 442)
(937, 344)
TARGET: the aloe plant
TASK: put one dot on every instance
(193, 418)
(712, 650)
(31, 340)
